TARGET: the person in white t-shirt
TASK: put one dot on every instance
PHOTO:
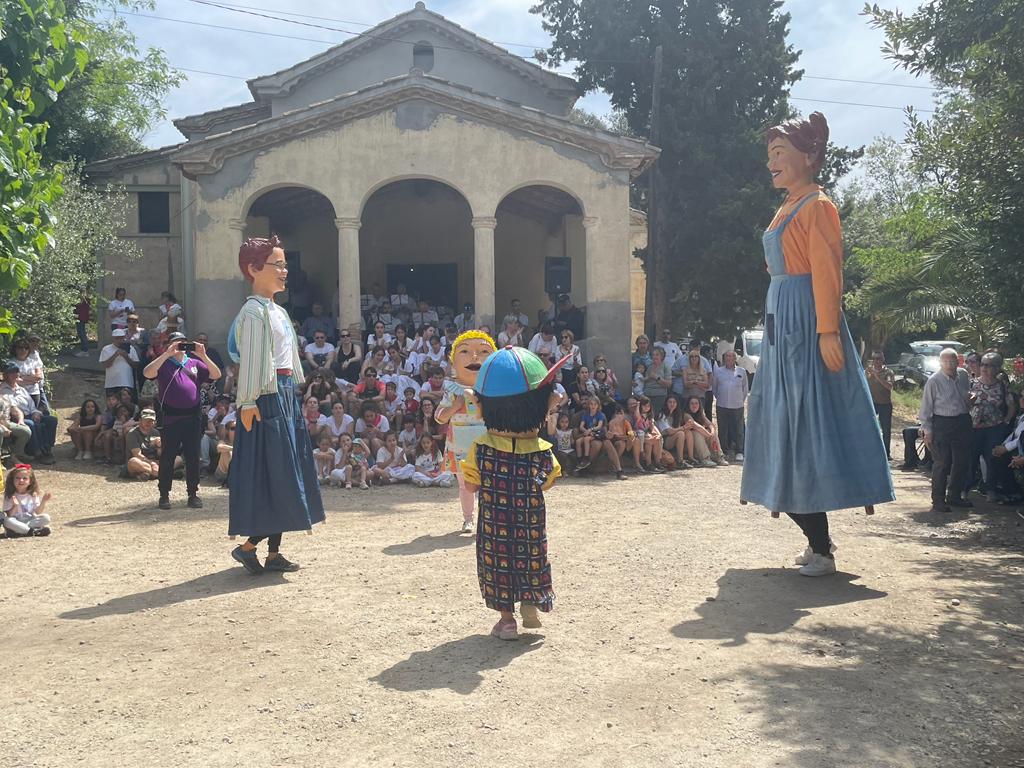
(320, 353)
(392, 466)
(119, 308)
(120, 360)
(544, 344)
(672, 350)
(337, 424)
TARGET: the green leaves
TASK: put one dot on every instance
(39, 54)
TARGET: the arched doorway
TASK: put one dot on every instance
(535, 223)
(304, 220)
(418, 233)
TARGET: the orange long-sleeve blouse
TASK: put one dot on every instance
(812, 244)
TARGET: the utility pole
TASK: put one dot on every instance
(655, 289)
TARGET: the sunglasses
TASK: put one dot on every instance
(344, 336)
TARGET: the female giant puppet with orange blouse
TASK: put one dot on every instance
(813, 443)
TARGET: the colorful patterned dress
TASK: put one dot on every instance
(511, 539)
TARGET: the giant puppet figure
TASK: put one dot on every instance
(459, 410)
(273, 484)
(813, 443)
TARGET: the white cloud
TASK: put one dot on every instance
(834, 39)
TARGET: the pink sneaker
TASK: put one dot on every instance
(506, 630)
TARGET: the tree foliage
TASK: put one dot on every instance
(727, 69)
(972, 147)
(120, 95)
(40, 52)
(87, 221)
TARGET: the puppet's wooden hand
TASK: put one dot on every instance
(831, 348)
(250, 414)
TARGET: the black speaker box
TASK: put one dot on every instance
(557, 274)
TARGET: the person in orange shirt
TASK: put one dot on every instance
(813, 441)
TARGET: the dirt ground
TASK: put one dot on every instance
(682, 635)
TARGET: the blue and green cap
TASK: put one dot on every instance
(514, 371)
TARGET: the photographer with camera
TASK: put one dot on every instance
(180, 372)
(119, 359)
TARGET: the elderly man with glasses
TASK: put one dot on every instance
(946, 427)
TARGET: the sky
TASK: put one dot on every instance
(835, 41)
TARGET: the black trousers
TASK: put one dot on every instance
(730, 429)
(273, 541)
(709, 400)
(952, 437)
(884, 412)
(815, 528)
(910, 459)
(182, 437)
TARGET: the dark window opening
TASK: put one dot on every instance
(423, 56)
(154, 212)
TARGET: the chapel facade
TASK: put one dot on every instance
(415, 153)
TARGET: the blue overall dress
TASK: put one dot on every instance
(813, 441)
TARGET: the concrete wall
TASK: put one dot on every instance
(393, 59)
(482, 161)
(637, 276)
(160, 267)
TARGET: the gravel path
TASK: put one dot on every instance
(682, 636)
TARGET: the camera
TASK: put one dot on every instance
(187, 346)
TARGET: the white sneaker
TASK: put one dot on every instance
(739, 458)
(80, 353)
(819, 566)
(87, 455)
(467, 526)
(805, 557)
(708, 463)
(722, 461)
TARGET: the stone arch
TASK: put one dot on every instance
(416, 231)
(304, 218)
(544, 183)
(536, 222)
(256, 195)
(374, 188)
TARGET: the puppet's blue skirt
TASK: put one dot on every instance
(813, 441)
(272, 477)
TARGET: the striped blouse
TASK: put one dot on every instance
(254, 338)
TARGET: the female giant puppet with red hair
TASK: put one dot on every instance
(813, 443)
(272, 482)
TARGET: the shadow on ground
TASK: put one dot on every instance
(766, 601)
(429, 543)
(456, 665)
(149, 514)
(224, 582)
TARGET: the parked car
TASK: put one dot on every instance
(923, 358)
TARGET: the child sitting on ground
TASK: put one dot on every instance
(350, 459)
(408, 437)
(392, 466)
(392, 405)
(23, 505)
(562, 436)
(323, 457)
(411, 404)
(429, 463)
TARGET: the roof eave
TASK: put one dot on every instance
(616, 152)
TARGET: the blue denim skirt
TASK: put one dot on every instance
(272, 481)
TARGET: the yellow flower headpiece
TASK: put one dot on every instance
(467, 336)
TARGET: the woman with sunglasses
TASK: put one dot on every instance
(349, 360)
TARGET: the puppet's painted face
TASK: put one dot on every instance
(273, 277)
(468, 358)
(790, 168)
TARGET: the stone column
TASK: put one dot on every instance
(348, 274)
(483, 269)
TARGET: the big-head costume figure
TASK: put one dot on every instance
(459, 410)
(813, 443)
(511, 468)
(273, 484)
